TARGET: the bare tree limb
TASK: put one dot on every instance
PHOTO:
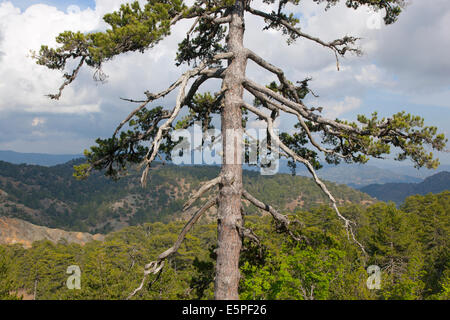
(217, 20)
(248, 233)
(180, 101)
(189, 74)
(270, 67)
(338, 46)
(295, 156)
(69, 79)
(165, 126)
(204, 188)
(156, 266)
(274, 105)
(303, 110)
(281, 219)
(192, 27)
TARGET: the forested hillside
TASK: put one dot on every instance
(51, 197)
(410, 244)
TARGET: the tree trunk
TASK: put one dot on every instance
(229, 210)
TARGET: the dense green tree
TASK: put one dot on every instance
(432, 229)
(217, 34)
(6, 285)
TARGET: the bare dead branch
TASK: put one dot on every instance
(158, 272)
(192, 27)
(279, 72)
(279, 218)
(296, 157)
(222, 20)
(132, 100)
(165, 126)
(273, 105)
(180, 101)
(69, 79)
(156, 266)
(191, 73)
(204, 188)
(302, 109)
(248, 233)
(338, 46)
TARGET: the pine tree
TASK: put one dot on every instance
(217, 35)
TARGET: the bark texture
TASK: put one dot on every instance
(230, 189)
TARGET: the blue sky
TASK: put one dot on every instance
(60, 4)
(404, 67)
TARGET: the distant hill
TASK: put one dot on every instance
(421, 173)
(19, 231)
(51, 197)
(353, 175)
(41, 159)
(397, 192)
(359, 175)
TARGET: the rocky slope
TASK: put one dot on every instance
(14, 230)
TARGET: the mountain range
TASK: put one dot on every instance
(51, 197)
(397, 192)
(36, 200)
(42, 159)
(353, 175)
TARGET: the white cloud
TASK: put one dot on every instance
(26, 82)
(333, 109)
(413, 53)
(68, 109)
(370, 75)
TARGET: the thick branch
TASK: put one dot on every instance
(281, 219)
(275, 106)
(302, 109)
(270, 67)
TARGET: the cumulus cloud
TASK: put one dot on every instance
(411, 54)
(416, 49)
(334, 109)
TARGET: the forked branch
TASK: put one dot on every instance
(282, 221)
(180, 102)
(270, 104)
(199, 70)
(296, 157)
